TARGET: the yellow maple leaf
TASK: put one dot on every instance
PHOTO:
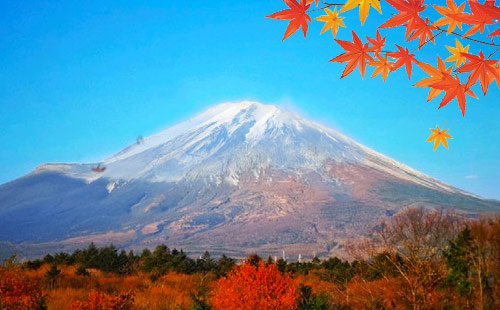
(383, 66)
(332, 21)
(439, 136)
(364, 7)
(311, 1)
(457, 53)
(450, 14)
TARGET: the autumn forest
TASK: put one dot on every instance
(420, 259)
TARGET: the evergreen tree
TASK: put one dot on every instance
(458, 263)
(224, 265)
(205, 263)
(52, 275)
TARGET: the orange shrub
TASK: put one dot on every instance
(17, 292)
(171, 292)
(248, 287)
(103, 301)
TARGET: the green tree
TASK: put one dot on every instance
(224, 265)
(457, 261)
(53, 275)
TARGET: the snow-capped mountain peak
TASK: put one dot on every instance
(231, 139)
(243, 176)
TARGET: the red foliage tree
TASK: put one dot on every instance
(250, 287)
(103, 301)
(18, 292)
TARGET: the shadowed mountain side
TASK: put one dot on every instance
(238, 178)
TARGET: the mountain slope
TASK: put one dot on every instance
(239, 177)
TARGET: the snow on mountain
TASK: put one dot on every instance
(232, 138)
(238, 177)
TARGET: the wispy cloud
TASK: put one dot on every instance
(472, 177)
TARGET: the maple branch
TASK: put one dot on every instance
(327, 5)
(471, 39)
(498, 49)
(430, 39)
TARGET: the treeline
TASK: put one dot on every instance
(418, 259)
(156, 263)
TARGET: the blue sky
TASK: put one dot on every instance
(80, 80)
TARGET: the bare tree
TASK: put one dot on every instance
(484, 258)
(412, 242)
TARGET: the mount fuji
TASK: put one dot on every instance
(238, 178)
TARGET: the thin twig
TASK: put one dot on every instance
(471, 39)
(328, 5)
(498, 49)
(430, 39)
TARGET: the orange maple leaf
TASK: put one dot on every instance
(480, 68)
(493, 11)
(383, 66)
(454, 89)
(436, 76)
(478, 19)
(450, 14)
(439, 136)
(423, 30)
(404, 58)
(497, 67)
(378, 43)
(297, 14)
(311, 1)
(357, 53)
(409, 10)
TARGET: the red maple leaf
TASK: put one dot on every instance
(480, 68)
(403, 58)
(357, 53)
(478, 19)
(409, 10)
(378, 43)
(297, 14)
(492, 11)
(423, 30)
(454, 89)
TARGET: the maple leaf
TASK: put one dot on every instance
(383, 66)
(423, 30)
(450, 14)
(497, 67)
(311, 1)
(378, 43)
(480, 68)
(357, 53)
(403, 58)
(478, 19)
(454, 89)
(436, 75)
(495, 33)
(409, 10)
(494, 12)
(332, 21)
(457, 53)
(439, 136)
(297, 14)
(364, 7)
